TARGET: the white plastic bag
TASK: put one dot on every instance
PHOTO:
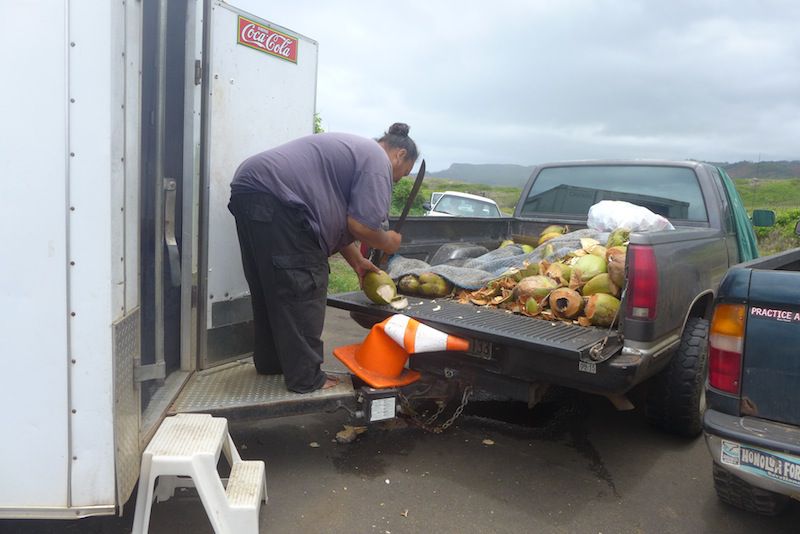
(608, 215)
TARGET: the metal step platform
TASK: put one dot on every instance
(236, 391)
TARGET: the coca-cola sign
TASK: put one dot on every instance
(267, 40)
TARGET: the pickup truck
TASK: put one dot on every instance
(457, 204)
(752, 422)
(661, 334)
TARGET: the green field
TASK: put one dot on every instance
(781, 196)
(777, 195)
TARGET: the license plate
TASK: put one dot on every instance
(480, 348)
(763, 463)
(382, 409)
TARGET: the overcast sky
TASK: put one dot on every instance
(527, 82)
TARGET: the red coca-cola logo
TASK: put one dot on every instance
(267, 40)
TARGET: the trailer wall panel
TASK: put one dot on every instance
(95, 102)
(33, 204)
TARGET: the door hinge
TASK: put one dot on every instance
(198, 72)
(153, 371)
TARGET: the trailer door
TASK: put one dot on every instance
(259, 92)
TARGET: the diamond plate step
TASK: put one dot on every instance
(236, 390)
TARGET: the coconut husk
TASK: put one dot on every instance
(537, 287)
(565, 303)
(615, 261)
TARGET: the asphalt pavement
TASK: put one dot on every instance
(571, 465)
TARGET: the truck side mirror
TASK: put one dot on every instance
(426, 206)
(763, 218)
(797, 228)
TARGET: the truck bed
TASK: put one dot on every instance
(485, 324)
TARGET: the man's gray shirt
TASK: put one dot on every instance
(330, 176)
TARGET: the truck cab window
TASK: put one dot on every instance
(673, 192)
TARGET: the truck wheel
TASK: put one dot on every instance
(736, 492)
(676, 395)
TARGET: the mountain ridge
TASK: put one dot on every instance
(508, 174)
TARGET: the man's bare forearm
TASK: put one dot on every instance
(387, 241)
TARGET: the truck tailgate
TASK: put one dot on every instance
(492, 325)
(771, 366)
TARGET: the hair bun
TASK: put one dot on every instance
(399, 128)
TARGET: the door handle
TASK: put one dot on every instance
(170, 194)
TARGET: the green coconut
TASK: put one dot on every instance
(379, 287)
(560, 273)
(531, 269)
(506, 243)
(434, 286)
(532, 307)
(408, 285)
(601, 283)
(537, 287)
(547, 237)
(590, 266)
(598, 250)
(553, 229)
(618, 237)
(601, 309)
(527, 249)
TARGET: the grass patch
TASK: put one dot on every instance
(780, 196)
(781, 236)
(777, 195)
(342, 277)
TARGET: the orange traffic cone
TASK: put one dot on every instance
(380, 360)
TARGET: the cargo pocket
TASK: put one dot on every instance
(301, 277)
(260, 212)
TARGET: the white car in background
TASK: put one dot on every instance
(456, 204)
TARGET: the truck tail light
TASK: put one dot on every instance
(642, 297)
(725, 347)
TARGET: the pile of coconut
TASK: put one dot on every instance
(582, 287)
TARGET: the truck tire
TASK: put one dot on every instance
(676, 395)
(736, 492)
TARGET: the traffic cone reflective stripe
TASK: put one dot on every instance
(410, 336)
(416, 337)
(380, 360)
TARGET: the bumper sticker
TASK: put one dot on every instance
(781, 467)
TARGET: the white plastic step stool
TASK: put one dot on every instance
(188, 445)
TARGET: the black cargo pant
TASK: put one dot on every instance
(287, 272)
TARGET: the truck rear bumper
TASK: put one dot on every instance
(518, 347)
(763, 453)
(603, 378)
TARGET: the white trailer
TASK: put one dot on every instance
(122, 124)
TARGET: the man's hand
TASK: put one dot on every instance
(357, 262)
(363, 267)
(393, 240)
(385, 240)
